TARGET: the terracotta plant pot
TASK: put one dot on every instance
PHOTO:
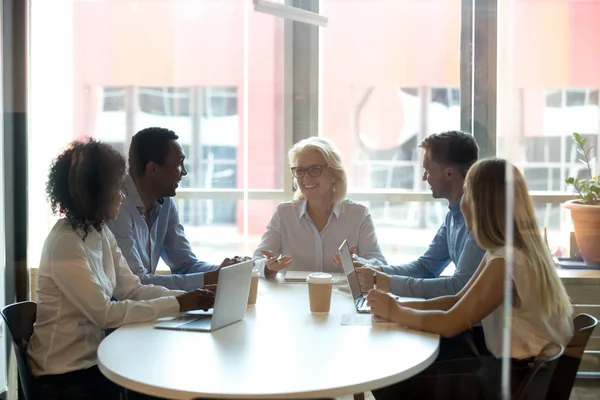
(586, 219)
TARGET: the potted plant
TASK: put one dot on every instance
(585, 210)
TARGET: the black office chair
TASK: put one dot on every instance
(537, 381)
(568, 365)
(19, 318)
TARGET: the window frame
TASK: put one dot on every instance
(293, 10)
(167, 96)
(302, 87)
(302, 108)
(211, 92)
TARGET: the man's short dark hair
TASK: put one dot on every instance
(149, 145)
(453, 148)
(82, 183)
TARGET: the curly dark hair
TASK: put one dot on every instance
(82, 182)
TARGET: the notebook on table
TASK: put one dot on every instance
(301, 276)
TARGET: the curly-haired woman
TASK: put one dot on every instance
(82, 270)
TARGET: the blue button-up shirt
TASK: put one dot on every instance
(292, 232)
(143, 243)
(453, 242)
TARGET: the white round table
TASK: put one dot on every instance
(280, 350)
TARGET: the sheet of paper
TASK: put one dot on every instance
(356, 319)
(379, 320)
(296, 276)
(300, 277)
(363, 319)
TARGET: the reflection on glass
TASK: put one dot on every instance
(120, 66)
(554, 92)
(399, 83)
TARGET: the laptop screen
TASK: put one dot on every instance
(349, 270)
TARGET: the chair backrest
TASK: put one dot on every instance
(536, 382)
(19, 318)
(568, 365)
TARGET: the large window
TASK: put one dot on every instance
(548, 84)
(240, 86)
(212, 71)
(381, 99)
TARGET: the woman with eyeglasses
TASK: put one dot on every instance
(304, 234)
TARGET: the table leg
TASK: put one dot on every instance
(359, 396)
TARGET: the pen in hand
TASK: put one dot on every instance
(375, 280)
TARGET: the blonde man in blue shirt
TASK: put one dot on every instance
(305, 233)
(447, 158)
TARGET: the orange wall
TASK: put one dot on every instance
(120, 43)
(384, 43)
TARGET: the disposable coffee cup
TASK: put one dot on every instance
(253, 288)
(319, 292)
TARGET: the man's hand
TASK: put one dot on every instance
(337, 257)
(212, 277)
(210, 288)
(367, 281)
(384, 306)
(230, 261)
(274, 262)
(199, 299)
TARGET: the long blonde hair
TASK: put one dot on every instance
(333, 159)
(486, 183)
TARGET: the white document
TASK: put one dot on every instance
(301, 276)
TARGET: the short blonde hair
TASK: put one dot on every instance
(486, 182)
(333, 159)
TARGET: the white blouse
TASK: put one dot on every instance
(292, 232)
(531, 329)
(77, 279)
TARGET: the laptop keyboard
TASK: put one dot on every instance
(201, 322)
(360, 302)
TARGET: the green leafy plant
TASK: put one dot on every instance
(587, 189)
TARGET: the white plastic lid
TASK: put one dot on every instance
(255, 272)
(319, 277)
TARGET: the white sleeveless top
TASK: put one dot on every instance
(531, 329)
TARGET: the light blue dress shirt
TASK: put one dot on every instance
(143, 246)
(292, 232)
(453, 242)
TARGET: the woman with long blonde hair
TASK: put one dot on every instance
(541, 310)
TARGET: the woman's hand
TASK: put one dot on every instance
(384, 305)
(276, 262)
(337, 257)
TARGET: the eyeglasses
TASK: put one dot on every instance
(314, 171)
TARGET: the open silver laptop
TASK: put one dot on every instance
(360, 299)
(233, 287)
